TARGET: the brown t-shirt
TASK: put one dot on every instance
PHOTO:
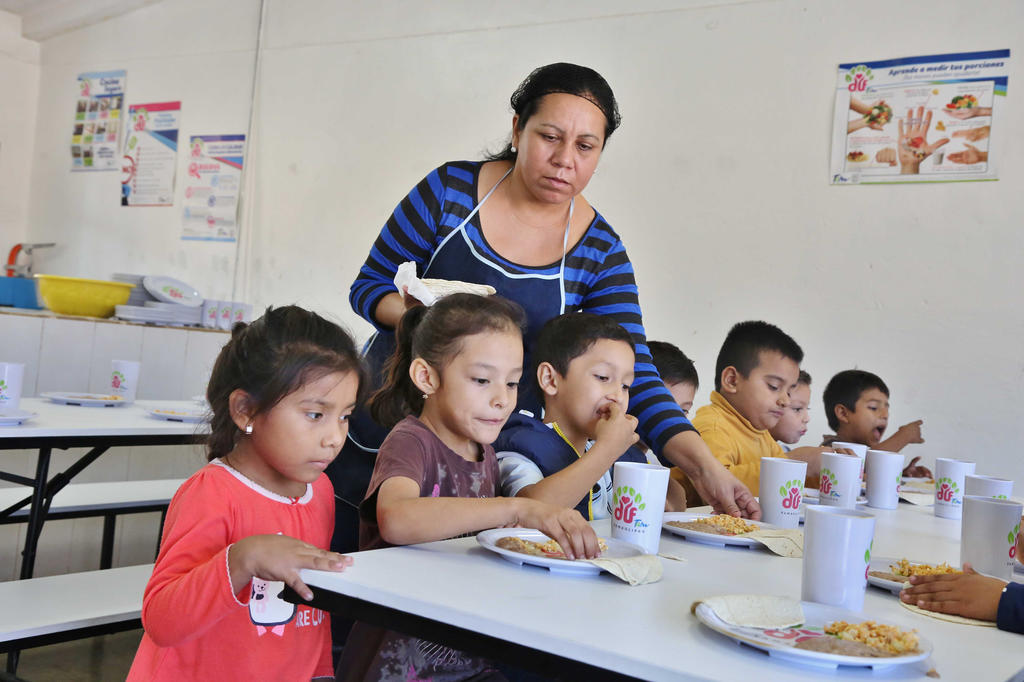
(414, 451)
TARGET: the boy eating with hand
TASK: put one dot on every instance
(857, 409)
(584, 368)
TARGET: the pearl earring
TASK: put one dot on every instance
(426, 395)
(248, 429)
(512, 149)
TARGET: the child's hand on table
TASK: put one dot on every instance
(915, 470)
(565, 526)
(279, 557)
(616, 428)
(969, 594)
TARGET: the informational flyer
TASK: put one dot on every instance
(212, 187)
(94, 135)
(920, 119)
(150, 154)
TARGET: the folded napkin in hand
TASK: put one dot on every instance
(427, 291)
(635, 570)
(788, 542)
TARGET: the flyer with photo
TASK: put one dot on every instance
(95, 131)
(919, 119)
(212, 187)
(150, 154)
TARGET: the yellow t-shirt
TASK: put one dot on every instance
(733, 441)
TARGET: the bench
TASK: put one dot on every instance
(60, 608)
(80, 500)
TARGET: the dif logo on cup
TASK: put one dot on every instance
(626, 505)
(947, 490)
(829, 485)
(790, 492)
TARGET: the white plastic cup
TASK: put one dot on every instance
(950, 478)
(224, 315)
(858, 449)
(240, 312)
(840, 480)
(781, 490)
(211, 310)
(638, 503)
(988, 486)
(124, 379)
(988, 536)
(12, 376)
(837, 552)
(884, 472)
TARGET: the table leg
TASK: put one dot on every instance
(36, 514)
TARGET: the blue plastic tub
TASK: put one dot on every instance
(19, 292)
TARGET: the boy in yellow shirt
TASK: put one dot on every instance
(757, 367)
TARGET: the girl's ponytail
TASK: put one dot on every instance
(399, 396)
(435, 334)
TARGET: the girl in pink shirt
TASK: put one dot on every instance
(243, 526)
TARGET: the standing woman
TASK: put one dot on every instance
(519, 222)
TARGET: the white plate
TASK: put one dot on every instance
(709, 538)
(85, 399)
(170, 290)
(617, 549)
(15, 417)
(779, 643)
(882, 563)
(178, 414)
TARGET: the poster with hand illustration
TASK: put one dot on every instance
(919, 119)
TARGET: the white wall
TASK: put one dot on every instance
(175, 50)
(19, 90)
(717, 181)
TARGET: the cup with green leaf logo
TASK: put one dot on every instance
(950, 476)
(781, 489)
(988, 535)
(988, 486)
(638, 503)
(882, 473)
(11, 376)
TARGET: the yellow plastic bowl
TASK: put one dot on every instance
(77, 296)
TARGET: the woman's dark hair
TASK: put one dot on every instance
(271, 358)
(435, 334)
(571, 79)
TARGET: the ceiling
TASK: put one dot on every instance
(42, 19)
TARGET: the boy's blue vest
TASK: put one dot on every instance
(540, 443)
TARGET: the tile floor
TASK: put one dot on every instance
(96, 659)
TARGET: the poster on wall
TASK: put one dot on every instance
(212, 186)
(97, 120)
(150, 154)
(919, 119)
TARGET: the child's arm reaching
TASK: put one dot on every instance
(904, 436)
(616, 431)
(404, 517)
(279, 557)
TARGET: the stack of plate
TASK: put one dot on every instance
(139, 295)
(170, 302)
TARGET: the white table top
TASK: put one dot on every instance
(58, 421)
(648, 631)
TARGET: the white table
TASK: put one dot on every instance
(467, 596)
(69, 426)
